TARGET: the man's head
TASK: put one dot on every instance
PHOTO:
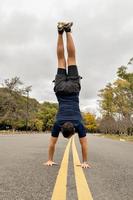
(68, 129)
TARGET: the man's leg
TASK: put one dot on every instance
(60, 52)
(61, 71)
(73, 76)
(71, 60)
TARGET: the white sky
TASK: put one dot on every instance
(103, 35)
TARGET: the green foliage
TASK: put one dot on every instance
(116, 103)
(38, 125)
(107, 100)
(19, 112)
(46, 114)
(13, 112)
(13, 108)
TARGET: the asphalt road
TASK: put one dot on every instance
(23, 177)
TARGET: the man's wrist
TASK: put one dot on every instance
(85, 162)
(50, 160)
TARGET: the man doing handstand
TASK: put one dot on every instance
(67, 88)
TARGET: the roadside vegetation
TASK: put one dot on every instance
(19, 112)
(116, 104)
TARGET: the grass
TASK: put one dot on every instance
(117, 137)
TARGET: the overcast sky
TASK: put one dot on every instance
(103, 35)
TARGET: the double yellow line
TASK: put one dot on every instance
(60, 189)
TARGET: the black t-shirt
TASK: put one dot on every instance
(68, 107)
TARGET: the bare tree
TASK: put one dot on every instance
(27, 90)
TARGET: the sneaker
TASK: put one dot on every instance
(60, 27)
(67, 26)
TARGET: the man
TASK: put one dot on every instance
(67, 88)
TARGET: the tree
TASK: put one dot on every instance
(46, 114)
(116, 103)
(27, 90)
(90, 122)
(107, 124)
(107, 104)
(13, 105)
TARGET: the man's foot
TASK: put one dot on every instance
(60, 27)
(67, 26)
(64, 26)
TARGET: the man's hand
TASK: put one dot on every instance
(84, 165)
(50, 163)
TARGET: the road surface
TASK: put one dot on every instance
(24, 177)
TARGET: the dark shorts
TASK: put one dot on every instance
(67, 83)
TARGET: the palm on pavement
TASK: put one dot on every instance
(50, 163)
(84, 165)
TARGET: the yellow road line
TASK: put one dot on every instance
(83, 190)
(59, 192)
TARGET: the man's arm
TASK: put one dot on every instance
(51, 150)
(84, 148)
